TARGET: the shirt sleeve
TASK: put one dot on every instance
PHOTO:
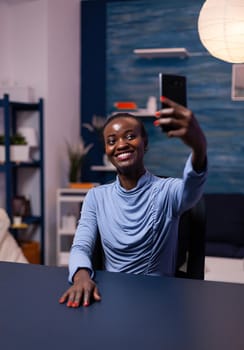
(193, 184)
(85, 238)
(187, 193)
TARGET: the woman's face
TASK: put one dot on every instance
(124, 144)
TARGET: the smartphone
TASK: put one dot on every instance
(173, 87)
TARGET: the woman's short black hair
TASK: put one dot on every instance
(144, 133)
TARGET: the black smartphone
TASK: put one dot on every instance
(173, 87)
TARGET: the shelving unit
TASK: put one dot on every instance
(69, 203)
(15, 171)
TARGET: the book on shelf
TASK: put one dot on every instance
(82, 185)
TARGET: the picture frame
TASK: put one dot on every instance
(237, 88)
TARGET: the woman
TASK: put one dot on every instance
(137, 216)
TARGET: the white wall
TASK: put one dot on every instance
(63, 103)
(40, 47)
(4, 56)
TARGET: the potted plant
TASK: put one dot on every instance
(76, 155)
(19, 150)
(96, 126)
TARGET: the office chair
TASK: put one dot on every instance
(191, 244)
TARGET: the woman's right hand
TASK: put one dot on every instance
(82, 291)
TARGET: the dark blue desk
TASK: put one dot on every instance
(136, 312)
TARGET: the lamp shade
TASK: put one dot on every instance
(221, 29)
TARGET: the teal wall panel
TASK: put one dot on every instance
(152, 24)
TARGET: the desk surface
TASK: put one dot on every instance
(136, 312)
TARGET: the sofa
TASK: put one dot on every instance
(9, 248)
(224, 235)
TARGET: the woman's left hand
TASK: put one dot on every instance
(181, 122)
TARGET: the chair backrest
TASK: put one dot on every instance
(191, 244)
(225, 225)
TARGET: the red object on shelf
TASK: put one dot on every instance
(125, 105)
(84, 185)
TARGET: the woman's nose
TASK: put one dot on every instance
(121, 143)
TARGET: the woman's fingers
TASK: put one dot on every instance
(82, 292)
(96, 294)
(71, 299)
(77, 299)
(87, 297)
(63, 298)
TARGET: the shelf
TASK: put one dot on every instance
(72, 194)
(179, 52)
(102, 168)
(21, 226)
(67, 231)
(24, 106)
(34, 164)
(75, 191)
(72, 198)
(141, 113)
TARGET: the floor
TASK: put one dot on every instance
(224, 269)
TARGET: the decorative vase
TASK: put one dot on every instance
(18, 153)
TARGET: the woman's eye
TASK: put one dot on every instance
(130, 136)
(110, 142)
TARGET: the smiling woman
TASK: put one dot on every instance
(136, 217)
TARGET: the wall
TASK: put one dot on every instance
(40, 48)
(136, 24)
(4, 57)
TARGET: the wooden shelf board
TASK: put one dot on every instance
(180, 52)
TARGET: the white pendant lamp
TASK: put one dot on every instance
(221, 29)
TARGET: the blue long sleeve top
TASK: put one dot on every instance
(138, 227)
